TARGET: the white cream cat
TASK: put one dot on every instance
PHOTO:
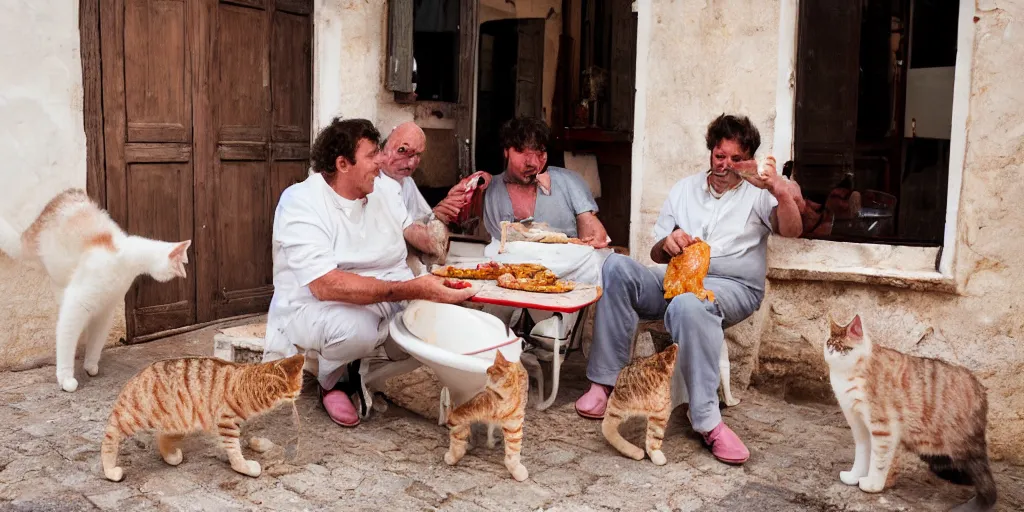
(91, 263)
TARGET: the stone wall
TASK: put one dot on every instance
(42, 140)
(706, 58)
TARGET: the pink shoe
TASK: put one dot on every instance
(593, 403)
(339, 407)
(726, 445)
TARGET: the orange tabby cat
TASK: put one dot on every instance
(502, 402)
(643, 388)
(179, 396)
(934, 409)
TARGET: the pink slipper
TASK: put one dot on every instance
(593, 403)
(726, 445)
(339, 407)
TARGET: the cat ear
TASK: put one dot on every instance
(499, 359)
(856, 329)
(834, 327)
(292, 364)
(180, 251)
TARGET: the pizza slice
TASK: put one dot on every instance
(511, 282)
(489, 270)
(457, 284)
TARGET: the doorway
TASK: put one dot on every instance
(206, 109)
(509, 82)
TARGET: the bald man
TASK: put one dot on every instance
(402, 153)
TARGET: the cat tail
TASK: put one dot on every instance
(10, 240)
(984, 485)
(610, 429)
(109, 449)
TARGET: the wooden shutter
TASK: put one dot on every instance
(825, 124)
(400, 27)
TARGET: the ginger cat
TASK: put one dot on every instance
(934, 409)
(502, 402)
(643, 388)
(91, 263)
(180, 396)
(687, 270)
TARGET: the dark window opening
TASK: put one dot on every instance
(436, 50)
(873, 115)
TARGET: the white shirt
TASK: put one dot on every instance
(403, 196)
(732, 225)
(316, 231)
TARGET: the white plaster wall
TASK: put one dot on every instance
(42, 151)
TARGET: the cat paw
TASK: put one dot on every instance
(732, 401)
(658, 457)
(114, 474)
(634, 453)
(451, 459)
(849, 478)
(175, 458)
(250, 468)
(91, 369)
(520, 473)
(867, 485)
(68, 384)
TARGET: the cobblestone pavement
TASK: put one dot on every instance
(50, 440)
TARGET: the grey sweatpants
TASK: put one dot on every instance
(632, 291)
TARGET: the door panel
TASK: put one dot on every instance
(530, 67)
(158, 107)
(291, 77)
(241, 97)
(147, 137)
(160, 207)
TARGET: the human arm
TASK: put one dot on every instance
(785, 217)
(341, 286)
(591, 231)
(418, 235)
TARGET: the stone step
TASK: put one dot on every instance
(240, 344)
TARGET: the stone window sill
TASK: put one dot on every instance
(792, 259)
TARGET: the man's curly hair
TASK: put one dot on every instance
(340, 138)
(525, 133)
(736, 128)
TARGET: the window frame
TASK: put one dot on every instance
(926, 268)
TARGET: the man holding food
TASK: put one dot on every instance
(733, 208)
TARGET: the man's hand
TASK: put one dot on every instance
(459, 196)
(596, 243)
(448, 209)
(676, 241)
(432, 288)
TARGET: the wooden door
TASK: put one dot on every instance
(148, 139)
(256, 144)
(825, 120)
(530, 67)
(207, 108)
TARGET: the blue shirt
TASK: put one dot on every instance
(570, 196)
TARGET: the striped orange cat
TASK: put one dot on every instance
(502, 403)
(180, 396)
(931, 408)
(643, 388)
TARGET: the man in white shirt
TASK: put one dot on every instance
(733, 208)
(339, 253)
